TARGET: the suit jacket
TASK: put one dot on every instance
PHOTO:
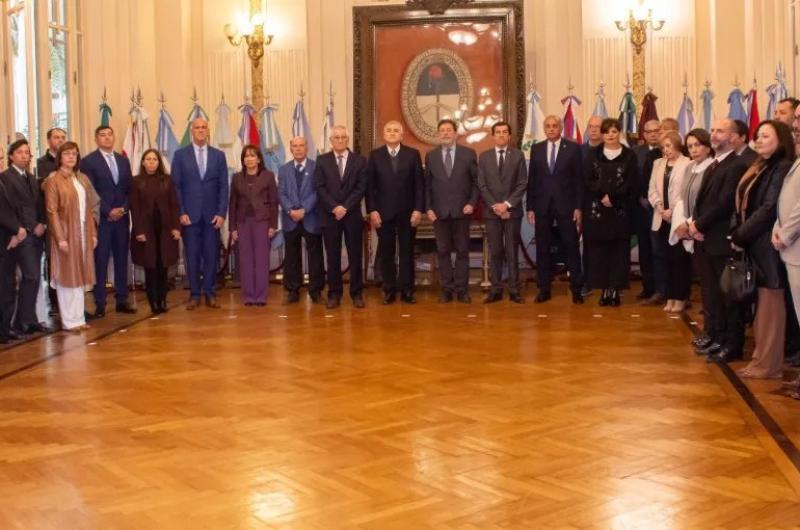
(715, 204)
(447, 196)
(263, 197)
(9, 222)
(45, 165)
(201, 198)
(26, 198)
(788, 223)
(748, 156)
(334, 191)
(675, 190)
(291, 198)
(509, 187)
(645, 160)
(564, 186)
(148, 194)
(395, 194)
(112, 195)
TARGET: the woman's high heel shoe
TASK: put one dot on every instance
(615, 300)
(604, 298)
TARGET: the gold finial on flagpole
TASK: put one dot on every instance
(162, 99)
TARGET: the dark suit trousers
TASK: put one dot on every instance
(392, 234)
(28, 257)
(351, 228)
(113, 239)
(726, 319)
(293, 260)
(201, 245)
(504, 236)
(543, 230)
(452, 235)
(643, 221)
(6, 296)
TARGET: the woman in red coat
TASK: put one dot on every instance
(156, 228)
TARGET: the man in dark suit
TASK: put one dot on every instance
(395, 202)
(741, 144)
(26, 197)
(710, 227)
(555, 188)
(451, 194)
(110, 174)
(654, 281)
(45, 165)
(502, 181)
(200, 174)
(12, 233)
(300, 221)
(341, 182)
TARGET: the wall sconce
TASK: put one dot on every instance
(252, 33)
(638, 26)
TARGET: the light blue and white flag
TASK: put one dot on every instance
(534, 123)
(300, 128)
(737, 104)
(707, 97)
(327, 127)
(776, 91)
(686, 116)
(271, 142)
(166, 141)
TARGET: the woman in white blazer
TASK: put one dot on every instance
(786, 232)
(672, 263)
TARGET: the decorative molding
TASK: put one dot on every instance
(436, 7)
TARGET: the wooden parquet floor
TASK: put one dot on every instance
(398, 417)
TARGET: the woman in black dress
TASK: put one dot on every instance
(610, 174)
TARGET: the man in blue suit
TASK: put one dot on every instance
(200, 174)
(555, 187)
(300, 220)
(110, 174)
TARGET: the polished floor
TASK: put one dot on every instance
(396, 417)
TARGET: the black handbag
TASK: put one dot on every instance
(738, 281)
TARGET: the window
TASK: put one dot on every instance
(40, 46)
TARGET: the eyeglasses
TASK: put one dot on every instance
(652, 130)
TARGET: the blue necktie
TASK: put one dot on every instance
(448, 162)
(112, 165)
(201, 162)
(298, 176)
(552, 163)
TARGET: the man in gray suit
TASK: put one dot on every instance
(451, 194)
(502, 181)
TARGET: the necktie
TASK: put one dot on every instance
(448, 161)
(340, 163)
(112, 165)
(552, 163)
(502, 162)
(201, 162)
(393, 159)
(298, 177)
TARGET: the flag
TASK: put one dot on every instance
(571, 129)
(300, 128)
(105, 113)
(707, 97)
(327, 126)
(534, 123)
(225, 139)
(627, 114)
(686, 116)
(649, 111)
(271, 143)
(776, 91)
(736, 102)
(752, 112)
(196, 112)
(600, 103)
(166, 141)
(248, 131)
(137, 138)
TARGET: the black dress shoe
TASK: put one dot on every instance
(724, 356)
(388, 298)
(13, 335)
(292, 298)
(125, 308)
(100, 313)
(709, 349)
(543, 297)
(35, 328)
(446, 297)
(702, 341)
(464, 298)
(615, 300)
(644, 295)
(358, 301)
(211, 301)
(516, 298)
(577, 298)
(492, 298)
(333, 303)
(408, 298)
(192, 304)
(315, 297)
(4, 339)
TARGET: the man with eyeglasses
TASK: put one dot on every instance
(646, 154)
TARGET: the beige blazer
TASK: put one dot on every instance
(787, 225)
(657, 186)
